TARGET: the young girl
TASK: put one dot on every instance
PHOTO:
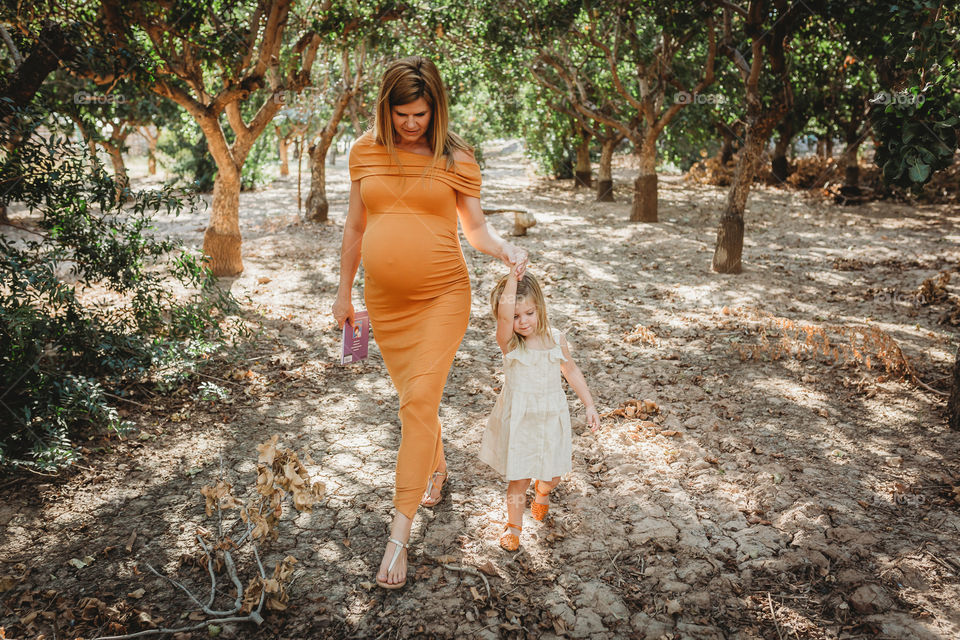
(528, 433)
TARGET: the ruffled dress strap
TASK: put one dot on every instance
(367, 158)
(530, 356)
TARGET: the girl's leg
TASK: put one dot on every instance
(541, 502)
(516, 503)
(399, 530)
(517, 500)
(544, 489)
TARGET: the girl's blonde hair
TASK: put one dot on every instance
(409, 79)
(528, 288)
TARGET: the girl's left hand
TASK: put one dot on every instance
(593, 418)
(516, 258)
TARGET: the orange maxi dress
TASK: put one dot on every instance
(416, 290)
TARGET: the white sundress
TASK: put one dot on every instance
(528, 432)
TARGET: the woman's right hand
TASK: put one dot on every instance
(343, 310)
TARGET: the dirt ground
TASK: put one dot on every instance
(773, 493)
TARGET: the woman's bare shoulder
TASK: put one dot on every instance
(463, 155)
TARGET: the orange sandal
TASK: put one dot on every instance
(537, 510)
(509, 541)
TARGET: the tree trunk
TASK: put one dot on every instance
(317, 205)
(221, 242)
(284, 161)
(953, 404)
(729, 247)
(726, 151)
(851, 167)
(778, 165)
(119, 168)
(582, 172)
(645, 186)
(605, 176)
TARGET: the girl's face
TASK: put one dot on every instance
(525, 318)
(411, 120)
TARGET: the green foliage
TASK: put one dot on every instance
(918, 135)
(87, 302)
(189, 158)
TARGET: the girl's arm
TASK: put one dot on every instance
(575, 377)
(478, 231)
(506, 309)
(353, 228)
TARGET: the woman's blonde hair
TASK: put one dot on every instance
(409, 79)
(528, 288)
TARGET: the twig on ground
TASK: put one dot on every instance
(774, 614)
(253, 617)
(139, 404)
(472, 571)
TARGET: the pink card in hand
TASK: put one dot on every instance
(355, 338)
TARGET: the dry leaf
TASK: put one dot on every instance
(136, 594)
(268, 450)
(488, 568)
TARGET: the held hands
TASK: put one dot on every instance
(516, 258)
(593, 418)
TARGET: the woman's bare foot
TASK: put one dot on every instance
(395, 577)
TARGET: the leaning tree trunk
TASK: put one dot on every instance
(582, 171)
(221, 242)
(645, 187)
(729, 247)
(605, 176)
(317, 205)
(953, 404)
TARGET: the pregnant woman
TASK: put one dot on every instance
(410, 178)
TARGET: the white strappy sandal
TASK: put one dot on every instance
(396, 554)
(431, 483)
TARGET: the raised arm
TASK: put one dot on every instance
(506, 310)
(353, 228)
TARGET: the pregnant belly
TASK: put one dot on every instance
(412, 255)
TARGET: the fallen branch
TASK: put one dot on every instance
(253, 617)
(472, 571)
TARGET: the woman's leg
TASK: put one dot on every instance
(399, 530)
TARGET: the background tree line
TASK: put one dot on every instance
(220, 89)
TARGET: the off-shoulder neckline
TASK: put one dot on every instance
(373, 141)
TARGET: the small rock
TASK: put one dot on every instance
(674, 586)
(870, 598)
(588, 622)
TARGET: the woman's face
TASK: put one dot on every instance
(411, 120)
